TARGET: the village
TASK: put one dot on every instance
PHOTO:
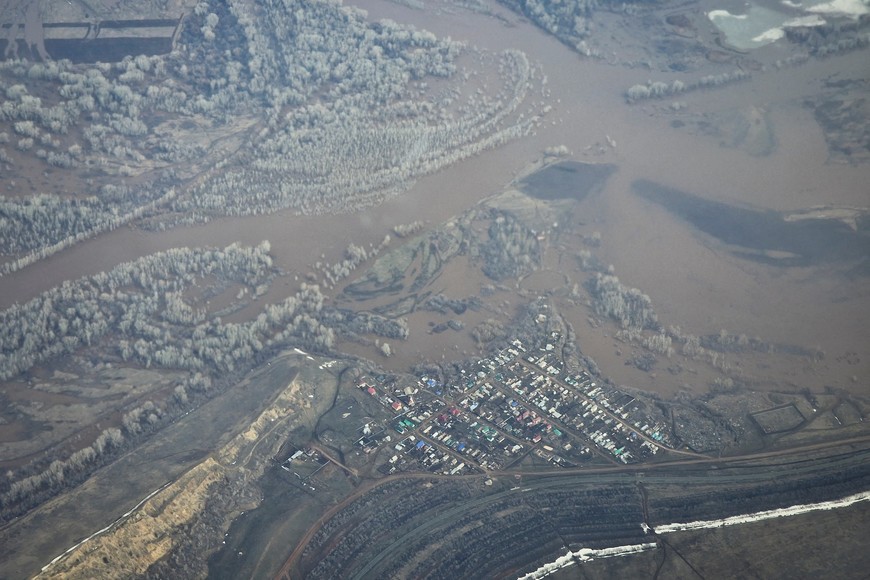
(517, 402)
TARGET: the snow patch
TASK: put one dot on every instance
(812, 20)
(717, 14)
(770, 35)
(764, 515)
(586, 555)
(850, 8)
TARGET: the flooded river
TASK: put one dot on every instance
(692, 281)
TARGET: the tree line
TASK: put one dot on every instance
(348, 116)
(512, 249)
(660, 89)
(630, 307)
(139, 314)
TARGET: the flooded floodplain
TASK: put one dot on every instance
(718, 238)
(766, 235)
(567, 180)
(692, 283)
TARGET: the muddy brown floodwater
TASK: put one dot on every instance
(693, 281)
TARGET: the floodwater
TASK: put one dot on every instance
(567, 180)
(756, 27)
(775, 240)
(107, 49)
(692, 283)
(749, 25)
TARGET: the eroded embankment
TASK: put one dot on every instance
(148, 534)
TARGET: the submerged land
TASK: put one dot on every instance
(297, 289)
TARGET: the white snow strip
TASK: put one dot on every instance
(110, 526)
(812, 20)
(585, 555)
(770, 35)
(850, 8)
(765, 515)
(714, 14)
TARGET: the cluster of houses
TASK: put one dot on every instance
(304, 464)
(517, 402)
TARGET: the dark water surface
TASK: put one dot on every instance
(805, 242)
(567, 180)
(91, 50)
